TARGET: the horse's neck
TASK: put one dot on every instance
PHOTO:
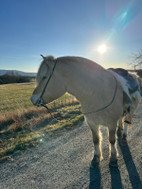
(79, 80)
(90, 84)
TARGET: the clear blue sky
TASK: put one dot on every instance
(29, 28)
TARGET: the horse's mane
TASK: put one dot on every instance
(70, 59)
(79, 60)
(50, 58)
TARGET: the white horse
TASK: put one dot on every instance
(126, 120)
(100, 95)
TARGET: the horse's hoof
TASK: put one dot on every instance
(119, 133)
(94, 165)
(95, 162)
(113, 163)
(124, 141)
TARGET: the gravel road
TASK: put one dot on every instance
(64, 161)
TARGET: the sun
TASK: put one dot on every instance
(102, 48)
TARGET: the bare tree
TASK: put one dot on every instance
(137, 60)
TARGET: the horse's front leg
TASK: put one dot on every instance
(113, 151)
(97, 146)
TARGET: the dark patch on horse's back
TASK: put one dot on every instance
(120, 71)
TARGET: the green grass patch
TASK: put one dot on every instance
(15, 96)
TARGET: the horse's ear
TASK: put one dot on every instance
(43, 57)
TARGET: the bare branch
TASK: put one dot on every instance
(136, 59)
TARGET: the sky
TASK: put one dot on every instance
(29, 28)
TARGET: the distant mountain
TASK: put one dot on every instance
(17, 73)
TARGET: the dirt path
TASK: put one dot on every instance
(64, 163)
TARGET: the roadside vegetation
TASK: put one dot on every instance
(23, 126)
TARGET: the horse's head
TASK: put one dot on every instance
(49, 84)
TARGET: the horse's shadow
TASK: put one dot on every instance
(95, 178)
(116, 182)
(130, 165)
(115, 178)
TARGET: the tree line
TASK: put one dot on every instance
(5, 79)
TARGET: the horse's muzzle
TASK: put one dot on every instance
(35, 100)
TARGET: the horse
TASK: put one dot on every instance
(97, 90)
(126, 121)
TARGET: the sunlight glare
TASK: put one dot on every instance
(102, 48)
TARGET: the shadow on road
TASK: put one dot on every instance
(95, 178)
(116, 183)
(131, 168)
(115, 178)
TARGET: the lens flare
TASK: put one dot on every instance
(122, 19)
(102, 48)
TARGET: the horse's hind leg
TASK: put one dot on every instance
(97, 146)
(128, 120)
(120, 127)
(124, 135)
(127, 124)
(113, 151)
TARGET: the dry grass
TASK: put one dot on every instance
(23, 126)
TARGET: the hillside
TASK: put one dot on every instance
(17, 73)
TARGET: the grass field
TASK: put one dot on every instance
(15, 96)
(22, 125)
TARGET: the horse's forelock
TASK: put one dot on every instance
(47, 59)
(50, 58)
